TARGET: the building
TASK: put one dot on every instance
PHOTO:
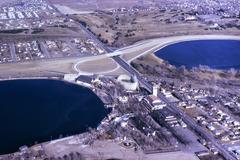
(155, 102)
(190, 18)
(128, 83)
(123, 99)
(169, 96)
(70, 77)
(84, 81)
(155, 90)
(169, 118)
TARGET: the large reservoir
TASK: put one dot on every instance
(34, 111)
(216, 54)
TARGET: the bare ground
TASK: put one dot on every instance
(37, 68)
(123, 29)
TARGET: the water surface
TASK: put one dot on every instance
(40, 110)
(216, 54)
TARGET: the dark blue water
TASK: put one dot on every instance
(216, 54)
(40, 110)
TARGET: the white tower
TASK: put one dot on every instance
(155, 90)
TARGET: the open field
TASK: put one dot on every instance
(101, 66)
(108, 149)
(126, 28)
(76, 6)
(92, 5)
(37, 68)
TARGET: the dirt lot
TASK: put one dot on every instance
(122, 29)
(108, 150)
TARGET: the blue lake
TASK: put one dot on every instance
(216, 54)
(40, 110)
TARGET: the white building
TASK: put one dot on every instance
(155, 90)
(155, 102)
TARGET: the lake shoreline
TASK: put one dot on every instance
(28, 92)
(213, 54)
